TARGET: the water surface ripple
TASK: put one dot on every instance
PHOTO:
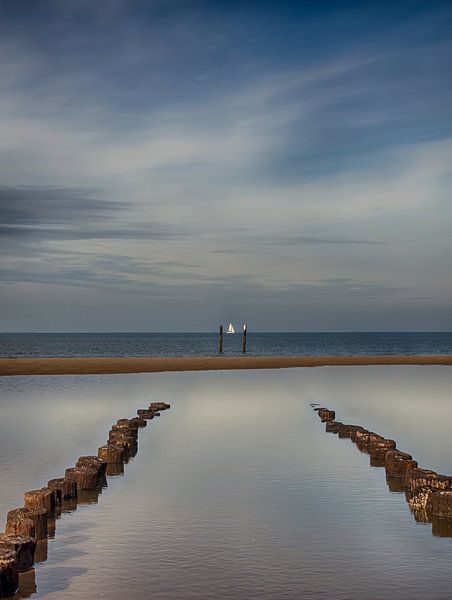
(206, 344)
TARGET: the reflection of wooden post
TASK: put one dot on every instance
(244, 338)
(220, 340)
(9, 573)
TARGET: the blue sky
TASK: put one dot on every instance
(173, 165)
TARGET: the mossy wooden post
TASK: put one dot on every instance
(220, 340)
(245, 328)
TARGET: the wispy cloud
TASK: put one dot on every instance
(185, 157)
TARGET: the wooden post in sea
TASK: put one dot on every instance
(245, 327)
(220, 340)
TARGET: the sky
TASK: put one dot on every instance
(172, 165)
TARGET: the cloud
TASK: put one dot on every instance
(151, 151)
(30, 206)
(40, 213)
(307, 240)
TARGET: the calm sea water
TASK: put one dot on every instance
(199, 344)
(236, 492)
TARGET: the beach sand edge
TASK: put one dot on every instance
(116, 365)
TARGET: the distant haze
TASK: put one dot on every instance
(171, 165)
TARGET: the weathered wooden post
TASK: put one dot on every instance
(245, 328)
(125, 424)
(111, 454)
(327, 415)
(145, 413)
(27, 528)
(44, 498)
(333, 426)
(156, 406)
(345, 430)
(92, 462)
(23, 546)
(139, 422)
(66, 489)
(31, 522)
(220, 340)
(421, 483)
(398, 464)
(86, 478)
(123, 438)
(378, 448)
(364, 440)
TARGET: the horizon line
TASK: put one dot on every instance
(216, 332)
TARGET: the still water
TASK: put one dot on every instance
(236, 492)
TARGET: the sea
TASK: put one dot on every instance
(206, 344)
(237, 491)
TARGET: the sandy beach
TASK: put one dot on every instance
(94, 366)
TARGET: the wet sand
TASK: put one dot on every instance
(98, 366)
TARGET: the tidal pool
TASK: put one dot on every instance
(236, 492)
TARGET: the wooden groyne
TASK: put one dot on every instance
(428, 494)
(27, 528)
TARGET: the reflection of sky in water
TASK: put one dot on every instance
(236, 492)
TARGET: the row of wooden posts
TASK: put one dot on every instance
(429, 494)
(28, 527)
(221, 335)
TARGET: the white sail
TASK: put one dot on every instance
(230, 329)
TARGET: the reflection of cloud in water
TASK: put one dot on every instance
(239, 474)
(53, 580)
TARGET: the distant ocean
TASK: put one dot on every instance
(205, 344)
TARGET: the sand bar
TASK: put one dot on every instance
(95, 366)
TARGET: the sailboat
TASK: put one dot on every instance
(230, 329)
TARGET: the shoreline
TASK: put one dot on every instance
(117, 365)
